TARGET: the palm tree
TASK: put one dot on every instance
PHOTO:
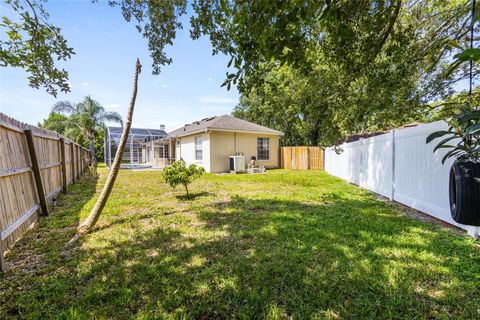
(86, 118)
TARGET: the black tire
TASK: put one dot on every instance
(465, 192)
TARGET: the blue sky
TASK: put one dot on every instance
(106, 48)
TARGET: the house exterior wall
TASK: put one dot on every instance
(225, 144)
(186, 150)
(219, 145)
(222, 146)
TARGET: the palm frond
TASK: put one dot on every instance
(74, 133)
(64, 107)
(112, 117)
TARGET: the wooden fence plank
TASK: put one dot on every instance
(2, 260)
(36, 172)
(72, 154)
(64, 165)
(32, 158)
(302, 158)
(11, 228)
(14, 171)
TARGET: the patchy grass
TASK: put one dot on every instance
(278, 246)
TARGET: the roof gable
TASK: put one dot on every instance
(224, 122)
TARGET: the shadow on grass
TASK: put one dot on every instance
(250, 258)
(192, 196)
(40, 246)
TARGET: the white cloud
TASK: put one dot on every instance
(209, 79)
(111, 106)
(216, 99)
(85, 84)
(163, 85)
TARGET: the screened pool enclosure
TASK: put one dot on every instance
(145, 147)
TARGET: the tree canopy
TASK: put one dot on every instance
(351, 88)
(56, 122)
(86, 119)
(252, 33)
(31, 42)
(342, 66)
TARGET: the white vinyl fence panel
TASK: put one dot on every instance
(401, 166)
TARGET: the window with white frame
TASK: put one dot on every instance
(161, 152)
(263, 149)
(198, 148)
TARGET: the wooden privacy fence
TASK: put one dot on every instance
(35, 166)
(302, 158)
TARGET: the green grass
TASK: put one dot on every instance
(301, 245)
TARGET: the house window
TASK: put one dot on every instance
(198, 148)
(263, 148)
(161, 152)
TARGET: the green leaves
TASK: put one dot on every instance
(476, 15)
(469, 54)
(473, 129)
(436, 135)
(465, 126)
(35, 45)
(178, 173)
(443, 143)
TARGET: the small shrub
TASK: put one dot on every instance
(179, 173)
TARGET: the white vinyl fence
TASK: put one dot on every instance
(401, 166)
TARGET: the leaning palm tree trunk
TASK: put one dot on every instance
(92, 218)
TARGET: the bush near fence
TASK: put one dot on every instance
(302, 158)
(35, 166)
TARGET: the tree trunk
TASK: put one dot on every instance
(92, 218)
(93, 159)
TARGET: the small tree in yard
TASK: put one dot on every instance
(179, 173)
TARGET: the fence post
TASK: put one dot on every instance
(292, 156)
(81, 160)
(72, 158)
(36, 172)
(64, 164)
(78, 164)
(322, 159)
(2, 261)
(308, 158)
(77, 155)
(392, 137)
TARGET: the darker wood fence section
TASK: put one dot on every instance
(35, 166)
(302, 158)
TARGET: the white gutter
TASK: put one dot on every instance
(228, 130)
(190, 133)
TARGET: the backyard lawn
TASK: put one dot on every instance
(282, 245)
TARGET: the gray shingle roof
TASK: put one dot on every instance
(225, 122)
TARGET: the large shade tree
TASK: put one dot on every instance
(86, 117)
(355, 81)
(255, 33)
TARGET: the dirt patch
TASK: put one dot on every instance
(418, 215)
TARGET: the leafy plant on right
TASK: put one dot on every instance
(464, 129)
(463, 140)
(179, 173)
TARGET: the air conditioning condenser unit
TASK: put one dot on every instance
(237, 163)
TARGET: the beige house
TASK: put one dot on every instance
(211, 142)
